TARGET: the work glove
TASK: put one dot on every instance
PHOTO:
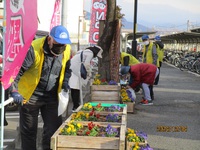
(18, 99)
(66, 87)
(89, 71)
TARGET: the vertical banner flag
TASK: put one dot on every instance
(21, 26)
(56, 17)
(99, 8)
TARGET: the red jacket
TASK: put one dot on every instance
(142, 73)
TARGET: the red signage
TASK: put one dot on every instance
(99, 8)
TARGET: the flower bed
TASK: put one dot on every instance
(73, 135)
(136, 146)
(113, 119)
(128, 98)
(99, 81)
(104, 108)
(136, 140)
(91, 129)
(127, 95)
(93, 116)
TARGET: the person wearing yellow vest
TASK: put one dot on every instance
(160, 50)
(150, 56)
(127, 59)
(43, 74)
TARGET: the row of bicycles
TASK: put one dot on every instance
(184, 60)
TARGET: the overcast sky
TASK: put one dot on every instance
(160, 13)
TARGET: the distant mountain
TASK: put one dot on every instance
(129, 25)
(125, 24)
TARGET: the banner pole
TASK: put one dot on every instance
(2, 89)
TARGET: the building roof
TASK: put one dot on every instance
(139, 34)
(195, 30)
(183, 37)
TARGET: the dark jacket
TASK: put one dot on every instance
(160, 44)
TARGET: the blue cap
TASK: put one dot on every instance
(145, 37)
(60, 35)
(157, 38)
(124, 70)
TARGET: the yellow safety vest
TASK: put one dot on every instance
(30, 79)
(160, 53)
(149, 56)
(132, 59)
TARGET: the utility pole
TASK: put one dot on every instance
(134, 42)
(188, 25)
(64, 12)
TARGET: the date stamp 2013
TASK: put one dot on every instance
(171, 129)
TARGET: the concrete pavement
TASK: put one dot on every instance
(176, 106)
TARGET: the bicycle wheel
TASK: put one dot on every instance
(183, 65)
(190, 63)
(197, 67)
(176, 62)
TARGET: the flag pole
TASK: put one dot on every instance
(2, 89)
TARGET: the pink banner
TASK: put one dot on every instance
(99, 8)
(56, 17)
(21, 26)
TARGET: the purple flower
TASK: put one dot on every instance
(112, 118)
(114, 108)
(110, 131)
(112, 82)
(142, 134)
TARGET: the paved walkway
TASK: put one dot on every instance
(176, 106)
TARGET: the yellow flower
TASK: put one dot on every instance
(136, 148)
(71, 126)
(123, 90)
(62, 130)
(123, 94)
(126, 97)
(79, 125)
(96, 82)
(73, 130)
(129, 130)
(130, 134)
(97, 75)
(69, 130)
(71, 122)
(73, 116)
(87, 115)
(133, 140)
